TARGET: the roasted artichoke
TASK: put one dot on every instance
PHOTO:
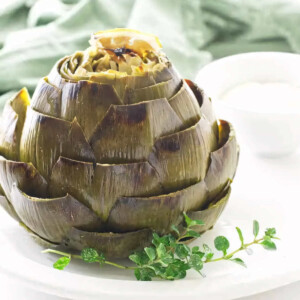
(113, 146)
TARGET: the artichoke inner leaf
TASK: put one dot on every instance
(166, 89)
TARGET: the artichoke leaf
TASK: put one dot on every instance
(182, 158)
(1, 188)
(128, 132)
(39, 240)
(121, 82)
(166, 73)
(210, 215)
(8, 208)
(185, 105)
(46, 138)
(117, 83)
(98, 186)
(157, 212)
(165, 89)
(116, 245)
(11, 124)
(26, 176)
(53, 218)
(205, 103)
(88, 102)
(54, 77)
(131, 82)
(223, 161)
(136, 81)
(47, 98)
(126, 84)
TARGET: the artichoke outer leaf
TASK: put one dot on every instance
(8, 208)
(210, 215)
(52, 218)
(223, 161)
(39, 240)
(8, 133)
(158, 212)
(128, 132)
(46, 138)
(185, 105)
(182, 158)
(1, 188)
(116, 245)
(12, 122)
(205, 103)
(47, 98)
(98, 186)
(25, 175)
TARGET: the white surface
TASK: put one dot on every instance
(266, 133)
(10, 291)
(264, 189)
(264, 97)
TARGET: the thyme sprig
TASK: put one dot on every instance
(169, 258)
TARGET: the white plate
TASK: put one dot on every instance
(266, 190)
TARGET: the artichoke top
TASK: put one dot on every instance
(113, 146)
(132, 40)
(115, 54)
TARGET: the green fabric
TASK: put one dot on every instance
(35, 34)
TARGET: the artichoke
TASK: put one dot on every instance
(113, 146)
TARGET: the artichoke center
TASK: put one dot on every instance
(117, 53)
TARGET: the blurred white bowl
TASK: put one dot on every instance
(266, 133)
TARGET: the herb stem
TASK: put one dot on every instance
(119, 266)
(62, 253)
(236, 251)
(69, 255)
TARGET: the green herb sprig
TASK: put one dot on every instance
(169, 258)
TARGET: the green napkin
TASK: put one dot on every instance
(35, 34)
